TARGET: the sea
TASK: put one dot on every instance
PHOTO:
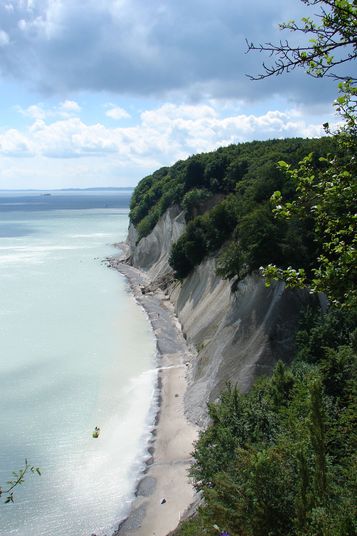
(76, 352)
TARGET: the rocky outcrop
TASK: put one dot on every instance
(237, 334)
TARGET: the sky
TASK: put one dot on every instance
(104, 92)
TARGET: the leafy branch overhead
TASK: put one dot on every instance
(331, 42)
(327, 196)
(17, 480)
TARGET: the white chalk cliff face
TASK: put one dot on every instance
(151, 254)
(238, 334)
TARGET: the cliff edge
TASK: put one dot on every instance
(237, 330)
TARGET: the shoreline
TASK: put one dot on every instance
(163, 492)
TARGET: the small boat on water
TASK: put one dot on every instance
(96, 432)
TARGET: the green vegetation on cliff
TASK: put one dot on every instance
(236, 182)
(281, 460)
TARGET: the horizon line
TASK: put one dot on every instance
(66, 189)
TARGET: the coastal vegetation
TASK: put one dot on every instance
(281, 459)
(236, 183)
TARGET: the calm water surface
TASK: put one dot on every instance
(76, 352)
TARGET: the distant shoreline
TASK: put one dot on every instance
(165, 476)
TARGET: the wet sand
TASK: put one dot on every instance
(165, 492)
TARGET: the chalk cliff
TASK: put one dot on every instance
(237, 330)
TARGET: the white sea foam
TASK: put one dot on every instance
(45, 248)
(22, 257)
(90, 235)
(33, 254)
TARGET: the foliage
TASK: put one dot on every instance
(189, 183)
(318, 331)
(332, 42)
(190, 249)
(193, 200)
(328, 195)
(242, 222)
(152, 197)
(18, 478)
(279, 460)
(231, 261)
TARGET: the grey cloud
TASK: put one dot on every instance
(193, 48)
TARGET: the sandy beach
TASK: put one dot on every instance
(164, 492)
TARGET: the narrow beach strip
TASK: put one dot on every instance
(164, 493)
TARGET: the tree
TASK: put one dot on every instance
(332, 42)
(194, 200)
(318, 441)
(326, 195)
(194, 177)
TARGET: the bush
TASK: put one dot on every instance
(193, 200)
(179, 259)
(190, 249)
(280, 460)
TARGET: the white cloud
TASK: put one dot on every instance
(35, 111)
(22, 24)
(170, 111)
(14, 143)
(92, 154)
(117, 113)
(163, 134)
(4, 38)
(67, 108)
(70, 106)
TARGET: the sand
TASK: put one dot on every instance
(165, 491)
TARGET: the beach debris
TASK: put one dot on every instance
(176, 395)
(95, 434)
(163, 501)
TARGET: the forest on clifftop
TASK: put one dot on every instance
(226, 195)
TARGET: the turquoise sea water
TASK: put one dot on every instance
(76, 352)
